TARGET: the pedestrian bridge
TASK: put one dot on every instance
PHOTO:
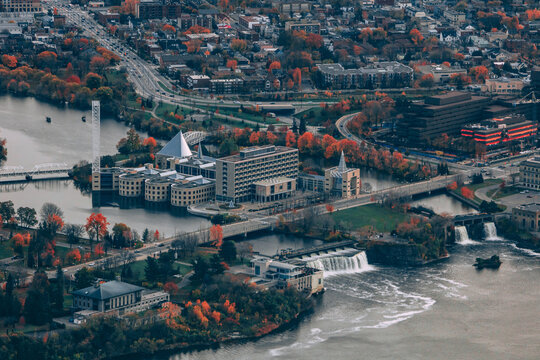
(49, 170)
(195, 137)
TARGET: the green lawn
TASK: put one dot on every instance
(164, 109)
(381, 218)
(496, 194)
(5, 250)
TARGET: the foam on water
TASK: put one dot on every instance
(339, 265)
(462, 236)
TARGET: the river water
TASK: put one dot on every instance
(31, 140)
(444, 311)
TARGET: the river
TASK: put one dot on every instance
(31, 140)
(444, 311)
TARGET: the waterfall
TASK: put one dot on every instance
(336, 265)
(490, 231)
(462, 236)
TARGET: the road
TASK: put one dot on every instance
(144, 75)
(493, 171)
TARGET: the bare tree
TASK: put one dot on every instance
(311, 215)
(48, 210)
(73, 233)
(244, 250)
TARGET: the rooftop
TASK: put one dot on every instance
(108, 290)
(529, 207)
(177, 147)
(256, 151)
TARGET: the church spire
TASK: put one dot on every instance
(199, 151)
(342, 167)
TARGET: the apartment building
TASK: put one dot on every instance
(20, 6)
(389, 74)
(503, 85)
(309, 27)
(529, 173)
(237, 174)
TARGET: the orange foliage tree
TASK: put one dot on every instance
(232, 64)
(9, 61)
(96, 226)
(416, 36)
(480, 73)
(467, 193)
(297, 77)
(216, 235)
(73, 257)
(238, 45)
(274, 65)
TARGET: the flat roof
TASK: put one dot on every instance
(238, 157)
(529, 207)
(273, 181)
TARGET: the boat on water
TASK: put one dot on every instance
(83, 118)
(48, 119)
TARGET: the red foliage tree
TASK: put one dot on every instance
(467, 193)
(96, 226)
(73, 257)
(274, 65)
(171, 288)
(9, 60)
(232, 64)
(216, 235)
(416, 37)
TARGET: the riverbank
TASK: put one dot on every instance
(231, 340)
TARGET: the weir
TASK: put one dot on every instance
(462, 236)
(340, 263)
(490, 231)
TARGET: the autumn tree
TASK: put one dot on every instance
(232, 64)
(274, 65)
(238, 45)
(480, 73)
(27, 216)
(467, 193)
(426, 80)
(416, 37)
(96, 226)
(216, 235)
(297, 77)
(9, 60)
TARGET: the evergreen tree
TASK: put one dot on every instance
(59, 290)
(151, 269)
(84, 278)
(145, 235)
(200, 269)
(228, 251)
(302, 129)
(37, 307)
(217, 265)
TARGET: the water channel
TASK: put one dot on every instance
(447, 310)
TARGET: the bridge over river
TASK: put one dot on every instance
(46, 171)
(258, 222)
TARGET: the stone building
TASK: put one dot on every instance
(529, 173)
(527, 217)
(341, 181)
(117, 296)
